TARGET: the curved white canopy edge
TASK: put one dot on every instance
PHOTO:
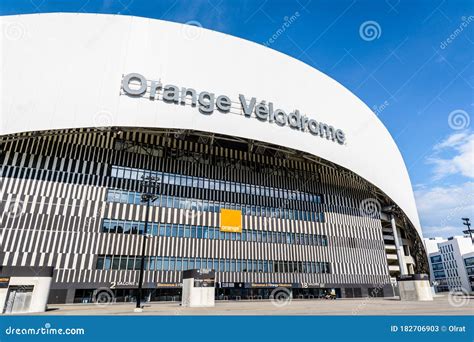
(64, 71)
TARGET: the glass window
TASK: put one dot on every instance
(126, 173)
(120, 225)
(105, 226)
(116, 262)
(469, 261)
(161, 229)
(198, 263)
(110, 196)
(152, 263)
(120, 172)
(100, 262)
(112, 226)
(185, 264)
(436, 258)
(180, 230)
(254, 236)
(174, 230)
(154, 230)
(244, 266)
(221, 266)
(179, 264)
(191, 264)
(210, 231)
(166, 264)
(123, 262)
(137, 199)
(131, 228)
(172, 263)
(131, 263)
(125, 227)
(141, 228)
(187, 231)
(136, 264)
(114, 171)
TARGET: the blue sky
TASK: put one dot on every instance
(410, 61)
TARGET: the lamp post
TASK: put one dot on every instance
(467, 223)
(150, 186)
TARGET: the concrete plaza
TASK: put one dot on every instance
(441, 305)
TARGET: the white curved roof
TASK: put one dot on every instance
(64, 71)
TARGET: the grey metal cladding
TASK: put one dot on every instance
(61, 181)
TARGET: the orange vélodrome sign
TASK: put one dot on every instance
(231, 221)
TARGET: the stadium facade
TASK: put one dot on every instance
(94, 105)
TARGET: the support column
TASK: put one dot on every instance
(399, 247)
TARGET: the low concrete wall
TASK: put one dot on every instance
(415, 290)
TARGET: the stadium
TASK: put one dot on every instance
(258, 166)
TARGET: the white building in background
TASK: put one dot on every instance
(469, 265)
(450, 262)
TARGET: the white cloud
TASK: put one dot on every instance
(454, 155)
(442, 207)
